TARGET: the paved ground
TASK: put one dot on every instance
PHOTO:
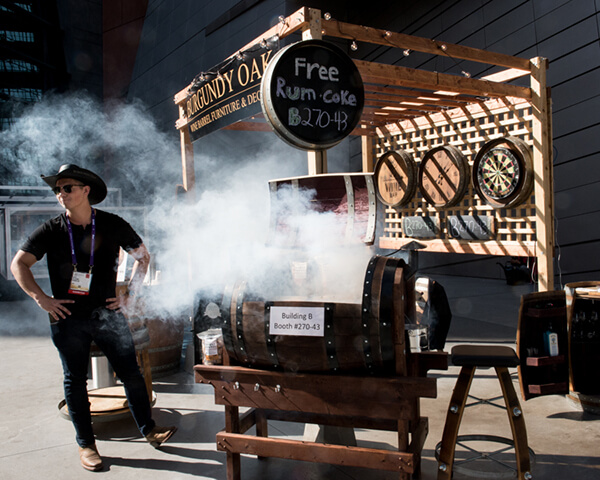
(37, 442)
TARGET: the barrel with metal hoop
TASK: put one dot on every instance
(319, 336)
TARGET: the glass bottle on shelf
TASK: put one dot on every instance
(551, 341)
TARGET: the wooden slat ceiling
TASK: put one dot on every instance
(394, 93)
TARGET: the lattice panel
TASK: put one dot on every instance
(467, 129)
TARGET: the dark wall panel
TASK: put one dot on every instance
(175, 47)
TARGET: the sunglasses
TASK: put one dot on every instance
(65, 188)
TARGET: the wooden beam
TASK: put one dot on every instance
(505, 75)
(361, 33)
(466, 112)
(289, 25)
(409, 77)
(317, 452)
(517, 249)
(250, 126)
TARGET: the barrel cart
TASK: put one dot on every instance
(377, 385)
(432, 145)
(572, 315)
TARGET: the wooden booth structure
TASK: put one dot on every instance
(417, 111)
(416, 127)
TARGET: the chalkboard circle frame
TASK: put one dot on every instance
(522, 179)
(272, 107)
(458, 159)
(408, 173)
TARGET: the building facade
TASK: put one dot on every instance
(147, 50)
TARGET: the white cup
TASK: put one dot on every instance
(418, 337)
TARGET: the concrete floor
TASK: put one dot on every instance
(37, 442)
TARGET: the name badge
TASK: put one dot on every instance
(80, 283)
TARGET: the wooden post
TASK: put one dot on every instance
(187, 162)
(232, 425)
(367, 152)
(187, 156)
(542, 166)
(317, 160)
(313, 29)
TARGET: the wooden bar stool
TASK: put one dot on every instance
(470, 357)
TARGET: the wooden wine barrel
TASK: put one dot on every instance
(340, 337)
(350, 197)
(583, 314)
(166, 341)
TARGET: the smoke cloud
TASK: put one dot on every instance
(224, 234)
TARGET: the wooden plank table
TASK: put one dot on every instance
(390, 403)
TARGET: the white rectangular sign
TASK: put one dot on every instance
(299, 321)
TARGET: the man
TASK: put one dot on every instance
(82, 248)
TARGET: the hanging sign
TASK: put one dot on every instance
(421, 227)
(312, 94)
(229, 92)
(470, 227)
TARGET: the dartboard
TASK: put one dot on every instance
(498, 173)
(502, 172)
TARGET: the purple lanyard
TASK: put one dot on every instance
(73, 257)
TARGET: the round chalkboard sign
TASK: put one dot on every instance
(312, 94)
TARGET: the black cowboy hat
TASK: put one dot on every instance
(68, 170)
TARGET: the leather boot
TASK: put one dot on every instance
(90, 458)
(160, 435)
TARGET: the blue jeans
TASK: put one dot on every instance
(109, 330)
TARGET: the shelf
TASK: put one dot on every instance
(544, 361)
(548, 388)
(547, 312)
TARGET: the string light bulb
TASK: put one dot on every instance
(406, 52)
(353, 46)
(281, 19)
(327, 16)
(466, 74)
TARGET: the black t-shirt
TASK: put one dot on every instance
(52, 239)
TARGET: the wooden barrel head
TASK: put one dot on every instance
(444, 176)
(395, 178)
(304, 336)
(312, 94)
